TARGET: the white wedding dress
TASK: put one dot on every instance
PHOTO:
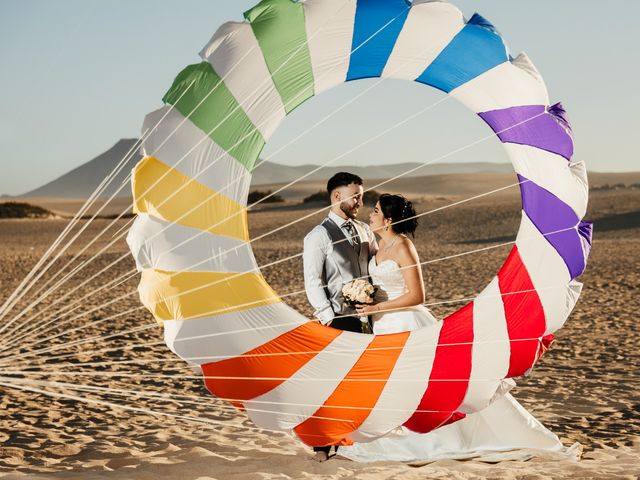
(502, 431)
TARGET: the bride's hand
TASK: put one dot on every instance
(366, 309)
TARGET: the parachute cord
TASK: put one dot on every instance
(141, 307)
(29, 307)
(106, 350)
(35, 327)
(202, 401)
(410, 171)
(231, 377)
(249, 304)
(238, 106)
(237, 180)
(308, 215)
(83, 341)
(106, 181)
(271, 232)
(15, 357)
(325, 351)
(291, 223)
(59, 271)
(209, 401)
(27, 282)
(133, 271)
(23, 385)
(187, 418)
(67, 309)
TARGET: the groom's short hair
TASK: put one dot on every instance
(342, 179)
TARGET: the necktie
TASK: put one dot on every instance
(351, 230)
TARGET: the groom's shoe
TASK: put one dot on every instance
(321, 453)
(320, 456)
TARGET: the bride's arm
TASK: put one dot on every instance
(409, 262)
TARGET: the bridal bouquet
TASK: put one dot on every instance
(359, 292)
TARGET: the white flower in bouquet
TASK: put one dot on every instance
(363, 297)
(358, 291)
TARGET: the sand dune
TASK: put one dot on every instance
(584, 389)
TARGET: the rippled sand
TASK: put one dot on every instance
(585, 389)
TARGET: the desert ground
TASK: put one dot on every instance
(72, 409)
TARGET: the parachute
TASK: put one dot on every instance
(201, 281)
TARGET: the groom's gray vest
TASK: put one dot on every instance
(346, 264)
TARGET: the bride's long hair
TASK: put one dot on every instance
(401, 213)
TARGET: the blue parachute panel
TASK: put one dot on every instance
(377, 26)
(477, 48)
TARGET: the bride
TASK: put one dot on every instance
(502, 431)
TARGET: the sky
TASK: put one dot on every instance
(77, 75)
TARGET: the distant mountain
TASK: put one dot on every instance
(83, 180)
(275, 173)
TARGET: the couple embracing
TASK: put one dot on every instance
(342, 249)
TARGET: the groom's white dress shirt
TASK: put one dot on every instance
(317, 246)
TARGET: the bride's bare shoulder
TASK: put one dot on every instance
(406, 252)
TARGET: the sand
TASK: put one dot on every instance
(585, 389)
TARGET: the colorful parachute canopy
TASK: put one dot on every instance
(199, 275)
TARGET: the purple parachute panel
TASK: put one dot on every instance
(535, 125)
(559, 224)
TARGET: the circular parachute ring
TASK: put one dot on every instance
(199, 276)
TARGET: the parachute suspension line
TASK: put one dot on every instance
(444, 207)
(291, 257)
(76, 343)
(337, 351)
(160, 179)
(23, 384)
(229, 185)
(295, 98)
(299, 219)
(190, 419)
(293, 182)
(220, 406)
(218, 403)
(249, 304)
(26, 283)
(293, 222)
(227, 377)
(397, 125)
(302, 291)
(162, 396)
(302, 177)
(237, 107)
(278, 296)
(109, 349)
(203, 402)
(58, 272)
(105, 182)
(405, 173)
(39, 325)
(70, 274)
(294, 256)
(260, 163)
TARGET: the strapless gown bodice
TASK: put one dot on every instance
(387, 276)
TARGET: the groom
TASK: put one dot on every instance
(335, 252)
